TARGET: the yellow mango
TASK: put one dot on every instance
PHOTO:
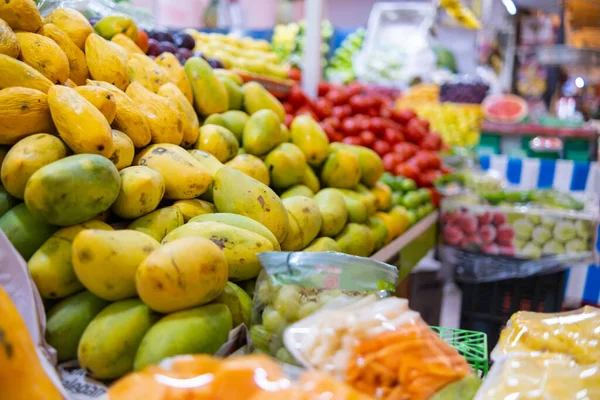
(129, 118)
(8, 41)
(108, 345)
(371, 165)
(311, 180)
(307, 134)
(368, 198)
(356, 239)
(252, 166)
(71, 22)
(307, 214)
(26, 157)
(21, 15)
(379, 230)
(185, 273)
(51, 266)
(78, 70)
(23, 112)
(297, 190)
(400, 216)
(333, 210)
(295, 237)
(234, 120)
(152, 76)
(136, 72)
(106, 61)
(128, 44)
(163, 117)
(262, 133)
(322, 244)
(210, 95)
(101, 98)
(235, 94)
(285, 133)
(392, 224)
(71, 84)
(15, 73)
(383, 196)
(44, 55)
(176, 74)
(257, 98)
(106, 261)
(189, 118)
(193, 208)
(185, 177)
(158, 223)
(357, 210)
(124, 151)
(142, 189)
(113, 25)
(217, 141)
(235, 192)
(240, 246)
(341, 170)
(286, 164)
(210, 162)
(81, 125)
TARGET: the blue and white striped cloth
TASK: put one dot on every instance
(583, 283)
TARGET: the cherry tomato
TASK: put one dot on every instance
(358, 104)
(349, 127)
(142, 40)
(297, 97)
(295, 74)
(390, 160)
(407, 170)
(333, 121)
(381, 148)
(336, 96)
(406, 150)
(308, 111)
(392, 136)
(424, 123)
(421, 160)
(403, 116)
(323, 108)
(289, 109)
(376, 125)
(427, 178)
(415, 132)
(367, 138)
(337, 137)
(355, 140)
(364, 123)
(323, 88)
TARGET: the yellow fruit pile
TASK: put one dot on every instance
(111, 135)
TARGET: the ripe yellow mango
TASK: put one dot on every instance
(108, 345)
(185, 177)
(21, 15)
(257, 98)
(356, 239)
(392, 225)
(251, 166)
(311, 180)
(101, 98)
(286, 164)
(8, 41)
(189, 119)
(51, 266)
(106, 61)
(333, 210)
(368, 198)
(262, 133)
(73, 23)
(383, 196)
(129, 45)
(142, 189)
(78, 70)
(15, 73)
(194, 207)
(297, 190)
(322, 244)
(307, 134)
(122, 157)
(218, 141)
(81, 125)
(185, 273)
(341, 170)
(306, 212)
(23, 112)
(176, 74)
(209, 161)
(152, 76)
(26, 157)
(210, 95)
(371, 165)
(106, 261)
(295, 237)
(44, 55)
(163, 117)
(158, 223)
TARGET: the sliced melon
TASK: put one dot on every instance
(504, 108)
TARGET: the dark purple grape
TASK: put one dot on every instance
(213, 62)
(94, 20)
(161, 35)
(183, 55)
(153, 47)
(185, 41)
(167, 47)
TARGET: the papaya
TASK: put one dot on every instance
(297, 190)
(26, 231)
(262, 133)
(72, 190)
(307, 214)
(238, 302)
(356, 239)
(78, 70)
(66, 321)
(15, 73)
(371, 165)
(379, 230)
(23, 112)
(227, 73)
(210, 95)
(201, 330)
(6, 201)
(158, 223)
(124, 151)
(106, 61)
(341, 170)
(106, 261)
(218, 141)
(295, 237)
(322, 244)
(234, 192)
(108, 345)
(125, 42)
(22, 376)
(44, 55)
(113, 25)
(307, 134)
(73, 23)
(145, 71)
(189, 119)
(194, 208)
(129, 118)
(357, 211)
(257, 98)
(334, 212)
(174, 277)
(83, 128)
(21, 15)
(252, 166)
(185, 177)
(210, 162)
(286, 164)
(142, 189)
(101, 98)
(234, 120)
(311, 180)
(242, 222)
(51, 266)
(239, 245)
(176, 74)
(163, 117)
(234, 93)
(383, 196)
(8, 41)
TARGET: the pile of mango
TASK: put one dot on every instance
(139, 190)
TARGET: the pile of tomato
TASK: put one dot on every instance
(364, 115)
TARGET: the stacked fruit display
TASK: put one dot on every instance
(418, 202)
(125, 149)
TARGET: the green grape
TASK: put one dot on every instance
(272, 320)
(263, 291)
(287, 302)
(260, 337)
(284, 356)
(307, 309)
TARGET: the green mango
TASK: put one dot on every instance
(307, 134)
(334, 212)
(341, 170)
(159, 222)
(306, 213)
(238, 302)
(235, 93)
(286, 164)
(257, 98)
(311, 180)
(356, 239)
(323, 244)
(262, 133)
(234, 120)
(297, 190)
(109, 26)
(6, 201)
(210, 94)
(379, 230)
(357, 211)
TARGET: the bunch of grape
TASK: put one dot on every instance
(471, 93)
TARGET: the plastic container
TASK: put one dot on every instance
(470, 344)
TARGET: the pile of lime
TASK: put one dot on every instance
(406, 193)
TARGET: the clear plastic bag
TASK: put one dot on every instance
(383, 349)
(294, 285)
(99, 8)
(521, 376)
(573, 333)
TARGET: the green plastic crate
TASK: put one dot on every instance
(470, 344)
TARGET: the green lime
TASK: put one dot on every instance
(429, 207)
(397, 198)
(495, 198)
(408, 185)
(412, 217)
(424, 194)
(422, 212)
(411, 200)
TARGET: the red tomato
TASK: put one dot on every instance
(295, 74)
(370, 101)
(288, 120)
(142, 40)
(336, 96)
(390, 160)
(323, 88)
(333, 121)
(424, 123)
(431, 142)
(421, 160)
(297, 97)
(358, 104)
(403, 116)
(307, 110)
(406, 150)
(435, 197)
(407, 170)
(354, 89)
(364, 123)
(323, 108)
(337, 137)
(289, 109)
(381, 148)
(435, 161)
(392, 136)
(355, 140)
(376, 125)
(415, 132)
(427, 178)
(349, 127)
(367, 138)
(328, 128)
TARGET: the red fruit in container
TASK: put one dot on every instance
(506, 250)
(444, 215)
(488, 233)
(484, 219)
(452, 235)
(381, 148)
(454, 218)
(414, 131)
(491, 248)
(498, 218)
(349, 127)
(297, 97)
(355, 140)
(390, 160)
(323, 88)
(323, 108)
(392, 136)
(505, 235)
(472, 241)
(289, 109)
(367, 138)
(403, 116)
(407, 170)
